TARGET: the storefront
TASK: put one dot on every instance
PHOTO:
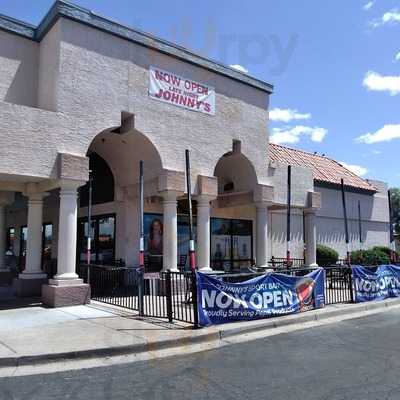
(93, 95)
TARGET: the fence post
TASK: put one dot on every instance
(88, 274)
(141, 292)
(194, 299)
(168, 294)
(351, 284)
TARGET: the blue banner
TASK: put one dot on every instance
(264, 296)
(376, 283)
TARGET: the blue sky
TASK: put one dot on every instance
(333, 64)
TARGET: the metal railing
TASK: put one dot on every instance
(328, 262)
(173, 295)
(281, 262)
(338, 281)
(167, 295)
(117, 286)
(338, 285)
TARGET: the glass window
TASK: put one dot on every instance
(22, 246)
(103, 239)
(183, 241)
(11, 240)
(241, 243)
(106, 240)
(221, 244)
(47, 241)
(153, 241)
(231, 244)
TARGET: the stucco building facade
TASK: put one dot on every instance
(74, 96)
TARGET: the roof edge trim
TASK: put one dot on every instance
(62, 8)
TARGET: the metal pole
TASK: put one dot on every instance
(346, 227)
(289, 199)
(141, 241)
(359, 224)
(304, 237)
(189, 199)
(89, 239)
(141, 208)
(391, 232)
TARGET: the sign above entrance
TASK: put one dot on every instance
(170, 88)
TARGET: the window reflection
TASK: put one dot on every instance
(231, 244)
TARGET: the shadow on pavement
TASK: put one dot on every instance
(9, 301)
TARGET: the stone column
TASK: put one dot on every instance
(170, 234)
(33, 265)
(30, 281)
(2, 236)
(66, 288)
(203, 233)
(67, 231)
(262, 235)
(311, 238)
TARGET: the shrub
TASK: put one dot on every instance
(369, 257)
(326, 255)
(386, 250)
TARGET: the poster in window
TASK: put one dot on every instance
(153, 230)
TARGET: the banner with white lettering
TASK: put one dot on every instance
(174, 89)
(264, 296)
(376, 283)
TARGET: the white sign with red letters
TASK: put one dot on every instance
(173, 89)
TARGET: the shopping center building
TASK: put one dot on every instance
(81, 93)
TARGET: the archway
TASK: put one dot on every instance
(122, 152)
(114, 162)
(235, 173)
(233, 214)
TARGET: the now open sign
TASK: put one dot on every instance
(171, 88)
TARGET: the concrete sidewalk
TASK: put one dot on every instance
(34, 335)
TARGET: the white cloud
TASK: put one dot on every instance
(385, 134)
(286, 115)
(397, 57)
(356, 169)
(389, 17)
(368, 5)
(240, 68)
(376, 82)
(292, 135)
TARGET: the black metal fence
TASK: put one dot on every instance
(338, 285)
(167, 295)
(173, 295)
(281, 262)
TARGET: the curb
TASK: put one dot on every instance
(220, 334)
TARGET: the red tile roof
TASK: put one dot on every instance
(324, 169)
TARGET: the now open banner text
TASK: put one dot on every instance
(182, 92)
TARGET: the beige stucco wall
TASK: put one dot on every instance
(301, 183)
(87, 77)
(374, 217)
(89, 57)
(19, 69)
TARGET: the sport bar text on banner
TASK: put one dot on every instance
(174, 89)
(376, 283)
(264, 296)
